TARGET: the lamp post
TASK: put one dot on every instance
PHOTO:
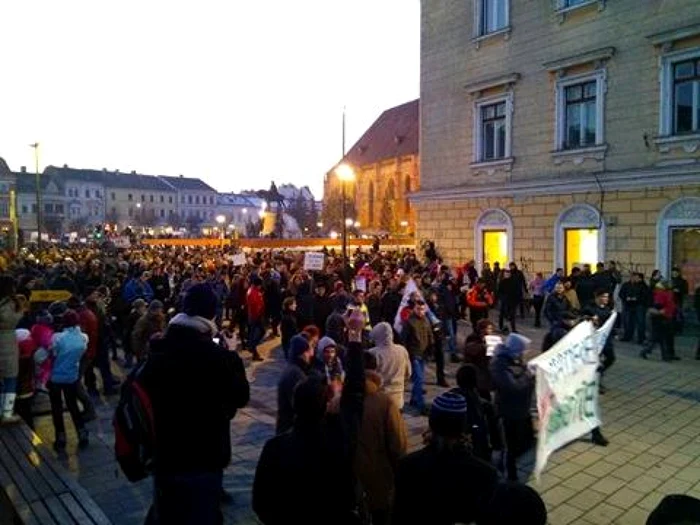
(345, 174)
(39, 221)
(220, 220)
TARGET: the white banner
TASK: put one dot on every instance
(567, 388)
(314, 260)
(238, 259)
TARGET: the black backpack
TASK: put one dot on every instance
(134, 429)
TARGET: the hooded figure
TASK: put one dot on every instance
(514, 386)
(393, 363)
(328, 362)
(298, 368)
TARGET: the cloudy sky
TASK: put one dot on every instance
(237, 92)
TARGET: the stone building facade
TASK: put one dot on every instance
(386, 164)
(559, 133)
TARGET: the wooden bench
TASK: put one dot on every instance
(37, 487)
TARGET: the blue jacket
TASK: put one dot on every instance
(68, 347)
(549, 284)
(137, 289)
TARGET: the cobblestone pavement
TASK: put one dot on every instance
(651, 415)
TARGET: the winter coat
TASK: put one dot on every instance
(196, 387)
(137, 289)
(68, 348)
(306, 475)
(145, 328)
(323, 308)
(514, 385)
(90, 326)
(418, 336)
(382, 441)
(295, 372)
(457, 484)
(391, 302)
(288, 329)
(256, 305)
(509, 291)
(475, 354)
(479, 298)
(393, 363)
(9, 357)
(557, 310)
(25, 379)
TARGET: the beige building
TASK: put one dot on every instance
(385, 161)
(555, 133)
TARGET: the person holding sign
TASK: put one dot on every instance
(514, 385)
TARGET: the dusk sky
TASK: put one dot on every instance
(237, 92)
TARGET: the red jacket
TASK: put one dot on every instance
(479, 298)
(89, 325)
(256, 304)
(667, 302)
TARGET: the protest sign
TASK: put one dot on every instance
(361, 284)
(567, 388)
(238, 259)
(49, 296)
(314, 260)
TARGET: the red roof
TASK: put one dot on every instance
(393, 134)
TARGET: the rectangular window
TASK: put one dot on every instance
(130, 197)
(24, 209)
(211, 200)
(196, 199)
(151, 198)
(97, 194)
(114, 197)
(59, 208)
(493, 131)
(686, 97)
(492, 16)
(162, 213)
(564, 4)
(143, 198)
(87, 194)
(131, 212)
(182, 199)
(33, 208)
(162, 199)
(48, 208)
(580, 111)
(170, 199)
(580, 115)
(189, 199)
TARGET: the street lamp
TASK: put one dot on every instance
(345, 174)
(35, 146)
(220, 220)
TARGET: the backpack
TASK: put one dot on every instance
(134, 429)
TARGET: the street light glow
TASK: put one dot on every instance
(220, 219)
(404, 223)
(319, 225)
(245, 210)
(349, 222)
(345, 172)
(334, 235)
(357, 224)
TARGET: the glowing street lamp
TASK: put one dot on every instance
(220, 220)
(345, 174)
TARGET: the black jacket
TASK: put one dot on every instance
(306, 475)
(323, 308)
(195, 388)
(295, 372)
(456, 483)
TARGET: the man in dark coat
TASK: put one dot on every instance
(323, 307)
(298, 368)
(306, 475)
(195, 388)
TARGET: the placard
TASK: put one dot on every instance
(238, 259)
(49, 296)
(314, 260)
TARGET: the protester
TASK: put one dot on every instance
(68, 347)
(256, 314)
(288, 325)
(10, 314)
(150, 324)
(479, 301)
(328, 364)
(393, 362)
(189, 376)
(475, 353)
(537, 290)
(306, 475)
(299, 366)
(515, 503)
(443, 483)
(514, 386)
(418, 339)
(382, 441)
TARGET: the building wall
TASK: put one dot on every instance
(451, 60)
(202, 205)
(119, 206)
(631, 231)
(85, 202)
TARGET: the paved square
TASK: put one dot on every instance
(651, 415)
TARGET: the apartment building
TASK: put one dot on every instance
(557, 133)
(196, 201)
(386, 165)
(8, 206)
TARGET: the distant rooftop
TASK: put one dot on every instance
(111, 179)
(187, 183)
(234, 199)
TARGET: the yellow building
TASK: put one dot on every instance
(555, 133)
(385, 161)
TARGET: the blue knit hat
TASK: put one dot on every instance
(448, 414)
(297, 346)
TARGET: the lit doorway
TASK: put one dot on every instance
(495, 243)
(580, 247)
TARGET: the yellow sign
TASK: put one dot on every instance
(49, 296)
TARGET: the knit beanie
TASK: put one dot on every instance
(200, 301)
(155, 306)
(515, 503)
(297, 346)
(448, 414)
(516, 344)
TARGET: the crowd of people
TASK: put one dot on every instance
(354, 336)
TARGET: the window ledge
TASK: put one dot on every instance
(504, 32)
(577, 156)
(562, 12)
(488, 164)
(689, 143)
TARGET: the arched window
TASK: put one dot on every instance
(579, 237)
(370, 204)
(678, 238)
(493, 236)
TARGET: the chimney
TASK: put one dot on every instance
(116, 171)
(65, 165)
(181, 176)
(104, 170)
(133, 172)
(23, 169)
